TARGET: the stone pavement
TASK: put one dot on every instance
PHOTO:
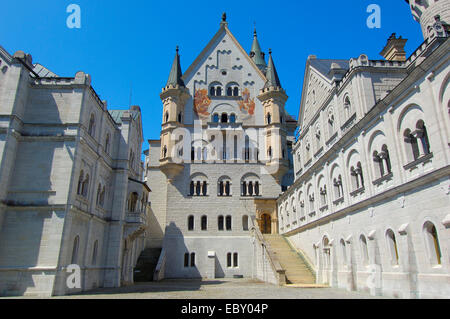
(217, 289)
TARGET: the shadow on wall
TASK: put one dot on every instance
(23, 241)
(181, 262)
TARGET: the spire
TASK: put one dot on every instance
(256, 54)
(175, 72)
(271, 74)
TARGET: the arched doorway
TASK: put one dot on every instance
(266, 224)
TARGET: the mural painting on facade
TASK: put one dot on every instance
(201, 103)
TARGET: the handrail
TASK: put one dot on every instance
(158, 275)
(279, 272)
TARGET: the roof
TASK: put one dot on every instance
(256, 54)
(43, 72)
(324, 65)
(271, 74)
(176, 73)
(117, 115)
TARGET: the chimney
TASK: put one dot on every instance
(394, 49)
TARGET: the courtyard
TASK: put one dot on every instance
(217, 289)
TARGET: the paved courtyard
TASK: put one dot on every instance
(217, 289)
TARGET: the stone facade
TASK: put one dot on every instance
(370, 203)
(206, 213)
(71, 190)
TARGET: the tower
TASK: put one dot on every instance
(174, 96)
(433, 16)
(273, 98)
(256, 54)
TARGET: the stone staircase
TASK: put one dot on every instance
(297, 272)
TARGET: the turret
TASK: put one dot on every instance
(174, 97)
(433, 16)
(256, 54)
(273, 99)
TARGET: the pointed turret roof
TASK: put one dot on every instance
(175, 73)
(271, 74)
(256, 54)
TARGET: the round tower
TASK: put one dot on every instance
(433, 16)
(174, 97)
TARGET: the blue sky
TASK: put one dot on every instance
(132, 43)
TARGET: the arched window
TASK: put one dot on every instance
(218, 91)
(422, 135)
(344, 252)
(432, 240)
(235, 260)
(233, 118)
(99, 191)
(229, 260)
(94, 253)
(191, 223)
(180, 117)
(338, 189)
(230, 91)
(132, 202)
(228, 222)
(85, 186)
(204, 223)
(80, 183)
(166, 117)
(107, 142)
(205, 189)
(212, 91)
(347, 107)
(220, 223)
(224, 118)
(216, 118)
(91, 129)
(192, 188)
(236, 91)
(245, 223)
(412, 147)
(186, 260)
(392, 245)
(192, 259)
(364, 250)
(269, 119)
(76, 244)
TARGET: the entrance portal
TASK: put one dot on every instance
(266, 224)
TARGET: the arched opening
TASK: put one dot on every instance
(191, 223)
(76, 244)
(204, 223)
(220, 223)
(266, 224)
(432, 240)
(393, 249)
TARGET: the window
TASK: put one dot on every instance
(180, 117)
(364, 250)
(85, 186)
(245, 223)
(235, 260)
(347, 107)
(432, 241)
(91, 129)
(132, 201)
(233, 118)
(269, 119)
(228, 222)
(216, 118)
(204, 223)
(229, 260)
(166, 117)
(107, 142)
(357, 176)
(344, 252)
(220, 223)
(224, 118)
(323, 195)
(186, 260)
(192, 259)
(392, 245)
(338, 188)
(94, 253)
(236, 91)
(80, 183)
(76, 244)
(191, 223)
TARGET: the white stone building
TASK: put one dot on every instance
(221, 162)
(71, 188)
(370, 204)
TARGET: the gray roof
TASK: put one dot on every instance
(43, 72)
(324, 65)
(117, 115)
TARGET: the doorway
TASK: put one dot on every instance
(266, 224)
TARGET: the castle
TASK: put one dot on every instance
(358, 199)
